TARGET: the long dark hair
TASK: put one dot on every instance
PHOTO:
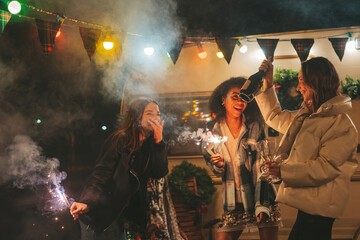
(251, 112)
(128, 135)
(320, 75)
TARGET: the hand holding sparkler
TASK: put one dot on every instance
(78, 208)
(214, 143)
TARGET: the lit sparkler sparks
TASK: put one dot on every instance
(61, 195)
(214, 143)
(211, 142)
(59, 201)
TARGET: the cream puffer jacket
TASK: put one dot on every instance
(322, 154)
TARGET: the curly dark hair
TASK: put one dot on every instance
(252, 112)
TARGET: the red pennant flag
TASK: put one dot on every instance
(339, 45)
(174, 48)
(90, 37)
(47, 32)
(268, 47)
(4, 19)
(226, 46)
(302, 47)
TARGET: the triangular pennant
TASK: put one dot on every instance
(174, 48)
(302, 47)
(226, 46)
(47, 32)
(90, 37)
(268, 47)
(339, 45)
(4, 19)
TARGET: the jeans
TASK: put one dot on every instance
(114, 232)
(311, 227)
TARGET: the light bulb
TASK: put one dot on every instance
(203, 55)
(14, 7)
(350, 45)
(243, 49)
(219, 54)
(149, 51)
(108, 45)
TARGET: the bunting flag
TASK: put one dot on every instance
(174, 50)
(226, 46)
(4, 19)
(90, 37)
(47, 33)
(339, 45)
(302, 47)
(268, 47)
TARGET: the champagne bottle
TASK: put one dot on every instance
(252, 86)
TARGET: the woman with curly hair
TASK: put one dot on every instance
(247, 201)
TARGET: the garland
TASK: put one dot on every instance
(203, 180)
(286, 81)
(351, 87)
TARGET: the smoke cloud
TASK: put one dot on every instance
(24, 165)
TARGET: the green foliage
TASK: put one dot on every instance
(351, 87)
(286, 81)
(204, 183)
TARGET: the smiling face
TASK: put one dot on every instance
(151, 112)
(306, 91)
(233, 104)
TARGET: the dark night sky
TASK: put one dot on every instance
(225, 17)
(248, 17)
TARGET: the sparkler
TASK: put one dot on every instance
(60, 193)
(214, 143)
(59, 201)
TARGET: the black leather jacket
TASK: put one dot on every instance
(116, 178)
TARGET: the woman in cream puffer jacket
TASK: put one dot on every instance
(320, 141)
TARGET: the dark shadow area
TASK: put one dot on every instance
(22, 215)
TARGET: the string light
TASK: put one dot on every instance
(219, 54)
(108, 45)
(149, 50)
(202, 54)
(58, 34)
(243, 48)
(104, 128)
(14, 7)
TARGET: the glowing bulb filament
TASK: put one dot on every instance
(149, 51)
(202, 55)
(108, 45)
(14, 7)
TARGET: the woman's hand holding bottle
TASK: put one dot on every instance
(268, 68)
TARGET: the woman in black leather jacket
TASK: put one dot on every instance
(117, 186)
